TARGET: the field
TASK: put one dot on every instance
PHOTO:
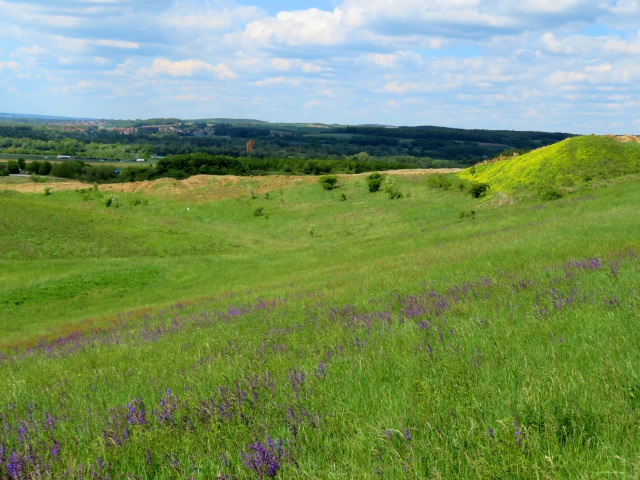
(258, 327)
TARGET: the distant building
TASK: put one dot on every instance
(251, 145)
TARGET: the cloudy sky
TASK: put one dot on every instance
(552, 65)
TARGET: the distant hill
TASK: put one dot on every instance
(564, 164)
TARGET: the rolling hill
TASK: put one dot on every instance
(563, 165)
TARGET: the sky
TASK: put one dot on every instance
(548, 65)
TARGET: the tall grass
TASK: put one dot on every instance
(399, 341)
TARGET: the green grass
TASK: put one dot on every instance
(566, 164)
(399, 340)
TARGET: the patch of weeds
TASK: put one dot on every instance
(47, 191)
(438, 180)
(467, 214)
(258, 212)
(134, 202)
(550, 195)
(112, 201)
(343, 197)
(392, 190)
(311, 229)
(37, 179)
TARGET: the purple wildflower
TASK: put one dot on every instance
(55, 448)
(264, 459)
(296, 377)
(50, 421)
(320, 372)
(407, 434)
(14, 467)
(22, 432)
(490, 432)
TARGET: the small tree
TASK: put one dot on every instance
(374, 181)
(12, 167)
(44, 168)
(329, 182)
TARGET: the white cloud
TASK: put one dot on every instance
(299, 28)
(115, 44)
(188, 68)
(9, 66)
(272, 81)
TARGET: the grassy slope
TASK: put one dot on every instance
(66, 259)
(564, 164)
(426, 325)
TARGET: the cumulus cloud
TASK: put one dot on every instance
(465, 62)
(189, 68)
(304, 27)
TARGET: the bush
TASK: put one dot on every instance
(478, 189)
(329, 182)
(112, 201)
(12, 167)
(44, 168)
(392, 191)
(550, 195)
(374, 181)
(439, 180)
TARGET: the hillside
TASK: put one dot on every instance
(568, 163)
(226, 327)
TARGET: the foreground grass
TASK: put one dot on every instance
(399, 340)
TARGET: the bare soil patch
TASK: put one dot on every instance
(199, 187)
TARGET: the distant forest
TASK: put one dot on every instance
(126, 140)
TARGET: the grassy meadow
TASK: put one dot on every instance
(261, 327)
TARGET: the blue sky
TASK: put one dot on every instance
(552, 65)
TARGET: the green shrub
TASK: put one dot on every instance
(374, 181)
(12, 167)
(328, 182)
(258, 212)
(112, 201)
(550, 195)
(439, 180)
(392, 190)
(47, 191)
(479, 189)
(343, 197)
